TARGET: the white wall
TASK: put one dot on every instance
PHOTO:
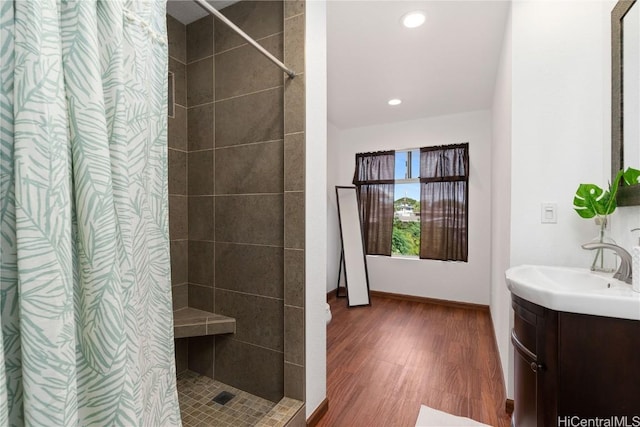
(558, 129)
(315, 204)
(456, 281)
(560, 137)
(333, 228)
(501, 207)
(561, 127)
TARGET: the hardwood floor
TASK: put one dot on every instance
(385, 360)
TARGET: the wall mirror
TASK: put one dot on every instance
(353, 256)
(625, 95)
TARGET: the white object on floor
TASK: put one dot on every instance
(328, 313)
(429, 417)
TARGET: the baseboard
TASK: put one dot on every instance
(317, 415)
(425, 300)
(508, 406)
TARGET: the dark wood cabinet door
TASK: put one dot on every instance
(598, 366)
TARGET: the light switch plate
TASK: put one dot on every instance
(548, 213)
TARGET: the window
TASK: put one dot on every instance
(405, 239)
(415, 202)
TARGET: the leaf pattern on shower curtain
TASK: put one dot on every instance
(10, 353)
(85, 295)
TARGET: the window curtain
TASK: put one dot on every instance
(374, 179)
(85, 294)
(444, 194)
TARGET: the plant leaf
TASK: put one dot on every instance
(586, 201)
(609, 199)
(631, 176)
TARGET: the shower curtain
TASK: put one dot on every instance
(85, 296)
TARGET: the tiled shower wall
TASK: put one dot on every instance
(237, 195)
(294, 183)
(249, 227)
(177, 141)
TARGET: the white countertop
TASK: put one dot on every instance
(574, 290)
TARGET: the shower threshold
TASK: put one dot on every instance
(197, 408)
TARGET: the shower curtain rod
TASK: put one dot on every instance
(244, 35)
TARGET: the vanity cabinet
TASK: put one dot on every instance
(573, 365)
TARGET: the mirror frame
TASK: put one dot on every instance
(628, 195)
(356, 272)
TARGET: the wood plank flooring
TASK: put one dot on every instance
(385, 360)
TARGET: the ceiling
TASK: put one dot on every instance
(187, 11)
(446, 66)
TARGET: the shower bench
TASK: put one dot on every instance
(191, 322)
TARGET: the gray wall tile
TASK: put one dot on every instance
(201, 263)
(182, 354)
(294, 335)
(294, 377)
(256, 370)
(177, 129)
(294, 105)
(294, 43)
(251, 269)
(294, 162)
(259, 319)
(179, 81)
(201, 351)
(254, 168)
(179, 262)
(255, 219)
(200, 82)
(178, 217)
(183, 331)
(177, 172)
(180, 296)
(256, 18)
(201, 218)
(294, 220)
(200, 127)
(244, 70)
(260, 222)
(201, 173)
(201, 297)
(294, 277)
(252, 118)
(200, 39)
(293, 7)
(176, 34)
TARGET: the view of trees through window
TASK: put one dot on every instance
(406, 219)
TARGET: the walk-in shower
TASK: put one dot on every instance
(236, 150)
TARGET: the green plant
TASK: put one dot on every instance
(591, 200)
(631, 176)
(405, 239)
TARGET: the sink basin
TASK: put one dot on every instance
(574, 290)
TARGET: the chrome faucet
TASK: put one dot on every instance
(624, 271)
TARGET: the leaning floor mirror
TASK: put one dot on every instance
(353, 259)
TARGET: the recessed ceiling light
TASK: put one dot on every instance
(394, 102)
(413, 19)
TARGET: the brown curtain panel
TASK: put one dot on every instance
(444, 195)
(374, 180)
